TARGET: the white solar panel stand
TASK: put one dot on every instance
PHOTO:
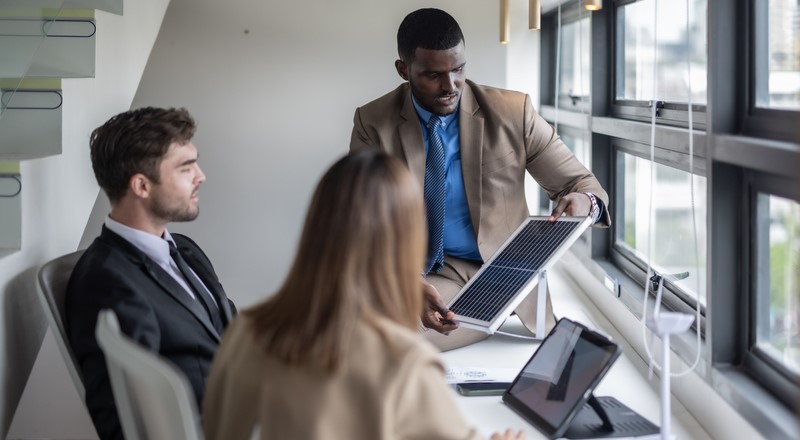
(541, 305)
(503, 282)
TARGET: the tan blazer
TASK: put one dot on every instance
(388, 387)
(501, 136)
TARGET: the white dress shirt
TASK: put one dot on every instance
(157, 248)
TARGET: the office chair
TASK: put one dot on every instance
(53, 278)
(154, 399)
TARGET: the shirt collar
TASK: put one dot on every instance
(157, 248)
(425, 115)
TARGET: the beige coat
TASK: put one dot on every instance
(501, 137)
(389, 388)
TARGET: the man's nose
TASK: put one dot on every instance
(448, 82)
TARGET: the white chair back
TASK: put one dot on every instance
(154, 399)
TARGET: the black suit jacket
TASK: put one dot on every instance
(153, 309)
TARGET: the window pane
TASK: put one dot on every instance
(779, 301)
(675, 248)
(635, 51)
(575, 71)
(779, 80)
(578, 142)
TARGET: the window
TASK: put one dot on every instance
(742, 175)
(778, 54)
(575, 70)
(774, 98)
(578, 142)
(672, 59)
(778, 281)
(654, 223)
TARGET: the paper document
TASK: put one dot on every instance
(458, 374)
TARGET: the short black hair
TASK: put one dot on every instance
(427, 28)
(135, 142)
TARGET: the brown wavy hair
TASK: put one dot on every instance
(135, 142)
(359, 259)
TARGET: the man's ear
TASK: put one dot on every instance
(140, 185)
(402, 69)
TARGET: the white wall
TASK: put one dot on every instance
(57, 198)
(274, 86)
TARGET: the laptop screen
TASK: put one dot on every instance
(560, 376)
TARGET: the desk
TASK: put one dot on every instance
(624, 380)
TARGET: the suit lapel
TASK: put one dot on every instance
(471, 140)
(411, 139)
(209, 281)
(180, 295)
(162, 278)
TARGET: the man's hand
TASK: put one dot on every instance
(572, 204)
(435, 314)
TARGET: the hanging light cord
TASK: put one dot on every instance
(558, 76)
(691, 187)
(558, 63)
(587, 129)
(650, 240)
(653, 363)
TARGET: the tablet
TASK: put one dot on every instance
(560, 376)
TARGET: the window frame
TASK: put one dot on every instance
(566, 129)
(669, 113)
(773, 375)
(762, 122)
(674, 297)
(733, 140)
(571, 12)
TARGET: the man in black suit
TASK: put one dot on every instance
(162, 286)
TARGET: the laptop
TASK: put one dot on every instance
(554, 391)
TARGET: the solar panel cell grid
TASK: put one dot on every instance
(488, 294)
(512, 269)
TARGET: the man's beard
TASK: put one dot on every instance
(173, 214)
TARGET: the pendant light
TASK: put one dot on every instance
(534, 14)
(593, 5)
(505, 28)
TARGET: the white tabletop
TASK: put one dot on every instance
(624, 380)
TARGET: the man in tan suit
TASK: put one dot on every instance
(469, 146)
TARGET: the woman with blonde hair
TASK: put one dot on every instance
(335, 353)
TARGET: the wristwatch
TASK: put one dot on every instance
(595, 211)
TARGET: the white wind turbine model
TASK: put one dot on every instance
(665, 324)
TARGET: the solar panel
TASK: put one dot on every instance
(510, 275)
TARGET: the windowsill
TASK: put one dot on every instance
(726, 402)
(631, 294)
(567, 116)
(666, 137)
(754, 403)
(670, 138)
(506, 353)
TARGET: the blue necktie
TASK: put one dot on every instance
(434, 196)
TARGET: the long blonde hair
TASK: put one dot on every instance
(360, 256)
